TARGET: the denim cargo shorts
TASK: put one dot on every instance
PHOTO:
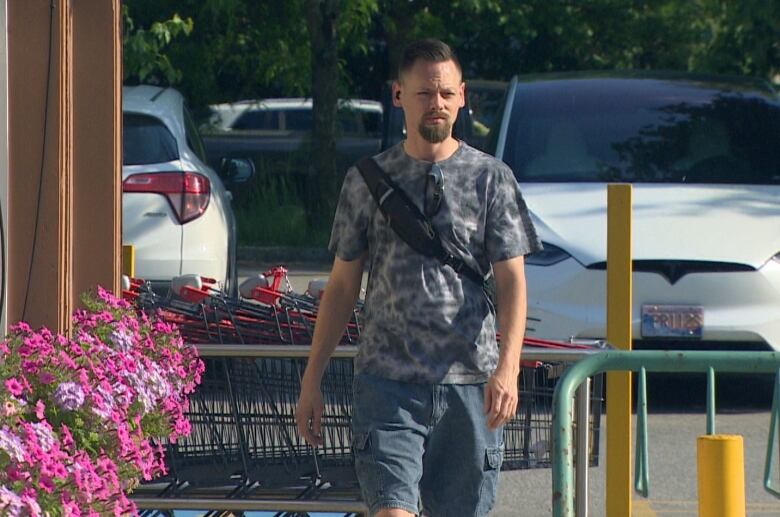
(422, 446)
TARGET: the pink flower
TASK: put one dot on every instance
(40, 410)
(46, 378)
(21, 328)
(128, 365)
(47, 484)
(30, 367)
(14, 386)
(67, 437)
(59, 471)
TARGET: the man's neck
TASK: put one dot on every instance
(421, 149)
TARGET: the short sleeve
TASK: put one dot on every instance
(348, 238)
(509, 231)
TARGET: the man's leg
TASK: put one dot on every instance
(389, 427)
(463, 457)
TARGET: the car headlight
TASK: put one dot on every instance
(548, 256)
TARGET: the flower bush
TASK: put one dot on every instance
(82, 417)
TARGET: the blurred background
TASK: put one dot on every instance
(316, 58)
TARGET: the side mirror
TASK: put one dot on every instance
(236, 170)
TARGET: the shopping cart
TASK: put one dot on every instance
(244, 442)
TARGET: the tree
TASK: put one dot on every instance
(327, 49)
(322, 18)
(145, 59)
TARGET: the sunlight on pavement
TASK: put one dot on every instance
(661, 508)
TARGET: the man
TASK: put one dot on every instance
(431, 390)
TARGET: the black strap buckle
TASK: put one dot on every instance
(454, 262)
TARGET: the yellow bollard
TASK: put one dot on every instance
(128, 260)
(619, 291)
(721, 465)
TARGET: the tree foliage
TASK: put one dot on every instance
(225, 50)
(145, 59)
(260, 48)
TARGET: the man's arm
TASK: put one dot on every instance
(334, 312)
(501, 391)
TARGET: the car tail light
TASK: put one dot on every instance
(187, 192)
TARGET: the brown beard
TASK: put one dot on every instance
(435, 134)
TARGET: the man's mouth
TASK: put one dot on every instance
(435, 119)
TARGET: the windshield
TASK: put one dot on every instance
(145, 140)
(642, 131)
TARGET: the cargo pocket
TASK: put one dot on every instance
(366, 469)
(494, 456)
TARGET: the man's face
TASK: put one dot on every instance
(431, 95)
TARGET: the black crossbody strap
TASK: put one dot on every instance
(408, 222)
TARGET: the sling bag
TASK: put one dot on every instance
(411, 225)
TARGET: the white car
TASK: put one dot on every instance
(357, 117)
(175, 210)
(703, 155)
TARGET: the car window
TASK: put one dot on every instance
(372, 122)
(298, 119)
(145, 139)
(682, 136)
(257, 120)
(193, 136)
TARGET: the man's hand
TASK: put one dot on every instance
(501, 397)
(308, 414)
(335, 309)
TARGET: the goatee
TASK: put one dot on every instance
(435, 133)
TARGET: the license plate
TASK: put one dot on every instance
(672, 321)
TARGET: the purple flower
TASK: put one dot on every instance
(69, 396)
(122, 339)
(11, 444)
(10, 502)
(45, 435)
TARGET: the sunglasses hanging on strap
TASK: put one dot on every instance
(410, 224)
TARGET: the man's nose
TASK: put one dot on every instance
(437, 102)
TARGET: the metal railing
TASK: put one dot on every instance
(563, 488)
(530, 353)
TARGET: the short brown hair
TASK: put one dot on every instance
(429, 49)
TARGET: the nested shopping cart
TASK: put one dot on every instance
(244, 443)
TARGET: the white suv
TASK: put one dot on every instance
(356, 117)
(175, 209)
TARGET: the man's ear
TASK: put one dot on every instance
(396, 94)
(462, 95)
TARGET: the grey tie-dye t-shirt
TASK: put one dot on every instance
(423, 322)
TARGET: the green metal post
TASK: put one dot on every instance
(652, 361)
(642, 458)
(771, 445)
(711, 401)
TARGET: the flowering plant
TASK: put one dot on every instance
(80, 416)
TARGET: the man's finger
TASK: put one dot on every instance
(316, 427)
(495, 410)
(488, 399)
(498, 402)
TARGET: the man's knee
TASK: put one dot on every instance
(393, 512)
